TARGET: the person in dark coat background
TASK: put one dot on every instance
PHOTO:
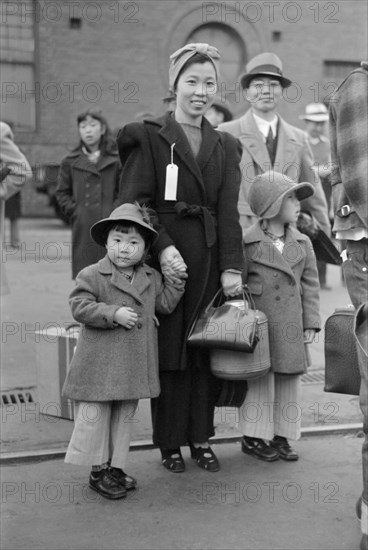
(198, 226)
(88, 185)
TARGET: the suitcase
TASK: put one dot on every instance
(239, 365)
(341, 359)
(54, 351)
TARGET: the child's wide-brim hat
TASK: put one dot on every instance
(269, 189)
(125, 213)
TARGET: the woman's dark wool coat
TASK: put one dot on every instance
(86, 193)
(210, 180)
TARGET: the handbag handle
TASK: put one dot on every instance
(247, 297)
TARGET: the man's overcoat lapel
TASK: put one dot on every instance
(287, 148)
(251, 138)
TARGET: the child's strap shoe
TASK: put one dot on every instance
(106, 485)
(281, 445)
(121, 477)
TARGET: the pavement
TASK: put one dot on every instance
(309, 504)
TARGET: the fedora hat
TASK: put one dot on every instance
(316, 112)
(268, 190)
(267, 64)
(126, 212)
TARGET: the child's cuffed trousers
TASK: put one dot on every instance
(272, 407)
(102, 430)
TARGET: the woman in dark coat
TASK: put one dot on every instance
(88, 185)
(199, 230)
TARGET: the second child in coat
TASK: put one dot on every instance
(116, 359)
(281, 272)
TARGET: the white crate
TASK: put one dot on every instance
(54, 350)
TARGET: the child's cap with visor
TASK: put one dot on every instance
(269, 189)
(125, 213)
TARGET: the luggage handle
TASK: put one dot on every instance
(247, 297)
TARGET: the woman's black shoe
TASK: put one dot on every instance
(106, 485)
(126, 481)
(172, 460)
(205, 458)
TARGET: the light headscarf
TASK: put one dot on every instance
(181, 56)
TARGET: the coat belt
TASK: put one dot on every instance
(206, 214)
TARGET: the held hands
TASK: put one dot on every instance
(308, 335)
(126, 317)
(232, 283)
(173, 266)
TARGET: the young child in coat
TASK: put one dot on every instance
(281, 272)
(116, 359)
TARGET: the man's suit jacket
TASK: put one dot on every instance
(294, 158)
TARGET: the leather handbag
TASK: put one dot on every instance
(238, 365)
(341, 359)
(231, 326)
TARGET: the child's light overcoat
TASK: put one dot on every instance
(111, 362)
(286, 288)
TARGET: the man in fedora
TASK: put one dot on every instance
(269, 142)
(316, 118)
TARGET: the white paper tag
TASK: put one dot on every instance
(171, 182)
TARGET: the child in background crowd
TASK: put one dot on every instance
(116, 358)
(88, 184)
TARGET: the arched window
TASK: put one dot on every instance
(229, 44)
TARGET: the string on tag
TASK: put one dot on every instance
(172, 153)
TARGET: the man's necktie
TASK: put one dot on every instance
(271, 146)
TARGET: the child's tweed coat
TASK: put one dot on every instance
(111, 362)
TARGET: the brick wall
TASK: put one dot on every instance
(118, 58)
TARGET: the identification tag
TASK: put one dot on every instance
(171, 182)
